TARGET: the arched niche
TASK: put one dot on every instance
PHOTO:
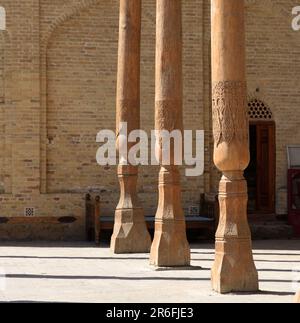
(80, 79)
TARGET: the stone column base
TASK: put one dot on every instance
(130, 232)
(234, 269)
(170, 247)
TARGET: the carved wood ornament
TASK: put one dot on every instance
(229, 112)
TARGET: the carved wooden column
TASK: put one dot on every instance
(130, 230)
(234, 268)
(170, 246)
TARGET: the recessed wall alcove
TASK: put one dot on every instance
(81, 81)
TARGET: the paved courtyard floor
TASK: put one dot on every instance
(75, 272)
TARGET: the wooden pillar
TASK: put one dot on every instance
(170, 246)
(234, 268)
(97, 220)
(130, 231)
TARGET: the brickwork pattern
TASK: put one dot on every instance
(58, 62)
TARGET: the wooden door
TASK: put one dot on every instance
(266, 163)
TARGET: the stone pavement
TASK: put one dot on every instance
(47, 272)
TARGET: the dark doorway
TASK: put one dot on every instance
(260, 174)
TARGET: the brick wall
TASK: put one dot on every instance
(60, 74)
(57, 90)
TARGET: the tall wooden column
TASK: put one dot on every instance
(234, 268)
(170, 246)
(130, 231)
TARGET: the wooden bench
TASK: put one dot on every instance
(192, 222)
(95, 223)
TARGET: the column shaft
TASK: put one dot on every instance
(130, 231)
(234, 268)
(170, 246)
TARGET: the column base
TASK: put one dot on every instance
(130, 232)
(297, 298)
(234, 269)
(170, 247)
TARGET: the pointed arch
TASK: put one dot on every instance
(259, 110)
